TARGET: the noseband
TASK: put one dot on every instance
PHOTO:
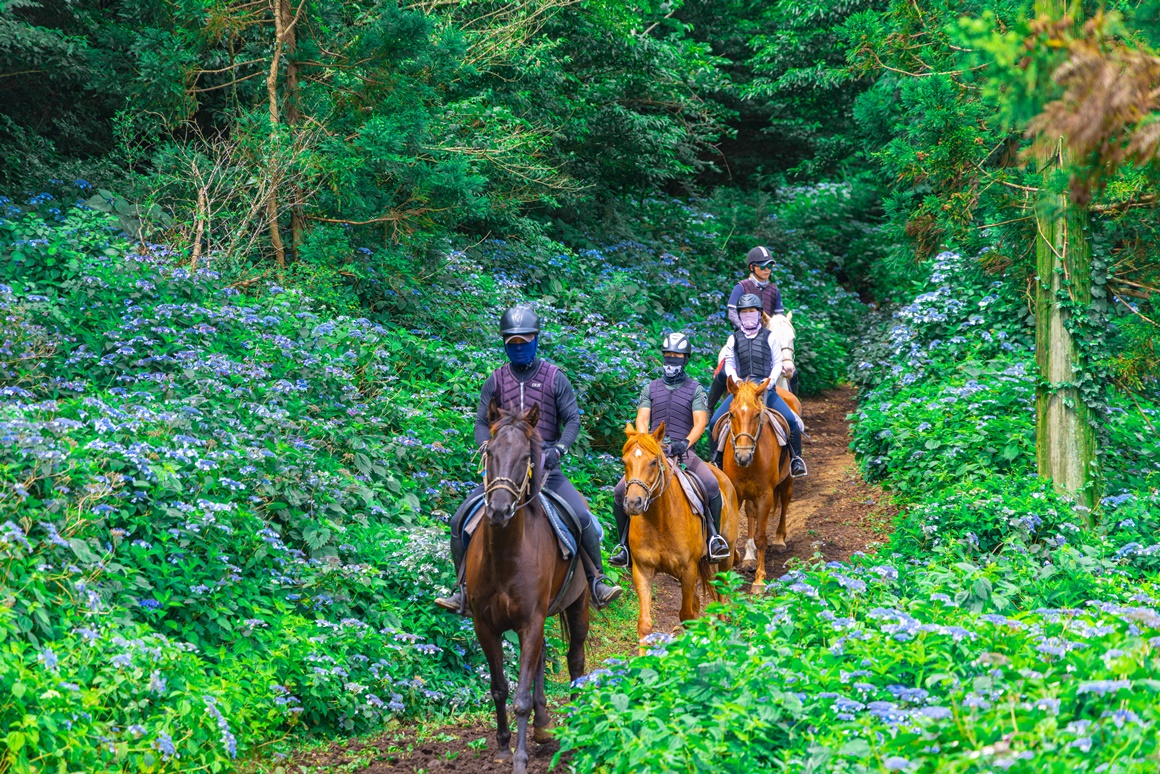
(661, 481)
(497, 483)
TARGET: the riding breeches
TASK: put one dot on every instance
(775, 402)
(694, 465)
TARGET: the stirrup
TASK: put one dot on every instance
(613, 594)
(721, 553)
(456, 603)
(795, 462)
(619, 556)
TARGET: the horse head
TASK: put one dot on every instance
(644, 468)
(511, 462)
(746, 418)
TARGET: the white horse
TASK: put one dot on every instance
(782, 326)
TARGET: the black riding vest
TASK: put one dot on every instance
(673, 407)
(753, 356)
(540, 389)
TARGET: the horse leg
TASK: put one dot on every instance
(764, 505)
(531, 660)
(689, 601)
(577, 616)
(541, 723)
(492, 645)
(783, 495)
(642, 580)
(750, 507)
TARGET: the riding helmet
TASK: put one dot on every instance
(519, 321)
(759, 255)
(677, 343)
(749, 301)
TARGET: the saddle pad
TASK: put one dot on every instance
(692, 491)
(564, 535)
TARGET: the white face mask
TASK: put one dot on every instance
(750, 320)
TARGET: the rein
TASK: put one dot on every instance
(662, 481)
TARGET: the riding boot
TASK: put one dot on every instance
(457, 602)
(718, 546)
(716, 390)
(619, 556)
(797, 466)
(603, 591)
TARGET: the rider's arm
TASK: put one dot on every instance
(731, 309)
(730, 358)
(775, 361)
(777, 307)
(567, 412)
(482, 427)
(643, 410)
(700, 415)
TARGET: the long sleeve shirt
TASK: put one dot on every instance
(567, 410)
(775, 360)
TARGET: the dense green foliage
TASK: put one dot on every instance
(997, 630)
(222, 503)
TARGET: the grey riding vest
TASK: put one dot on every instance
(754, 357)
(540, 389)
(673, 407)
(766, 293)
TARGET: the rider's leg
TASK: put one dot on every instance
(721, 411)
(603, 591)
(775, 402)
(457, 602)
(619, 556)
(718, 546)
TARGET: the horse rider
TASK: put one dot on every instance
(759, 283)
(679, 401)
(524, 381)
(754, 353)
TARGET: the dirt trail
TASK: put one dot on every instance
(834, 513)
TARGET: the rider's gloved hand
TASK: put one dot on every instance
(552, 457)
(677, 448)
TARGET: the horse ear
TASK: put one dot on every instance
(659, 433)
(629, 430)
(765, 318)
(789, 315)
(492, 412)
(763, 386)
(731, 383)
(533, 415)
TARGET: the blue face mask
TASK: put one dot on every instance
(522, 354)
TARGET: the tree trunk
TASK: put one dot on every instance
(272, 96)
(1065, 442)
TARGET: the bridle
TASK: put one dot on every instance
(520, 493)
(661, 481)
(754, 437)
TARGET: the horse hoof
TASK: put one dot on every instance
(757, 587)
(503, 756)
(777, 544)
(542, 734)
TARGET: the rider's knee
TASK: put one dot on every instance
(618, 491)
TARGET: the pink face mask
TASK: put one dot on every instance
(750, 320)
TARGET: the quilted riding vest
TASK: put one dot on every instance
(766, 293)
(673, 407)
(539, 389)
(754, 358)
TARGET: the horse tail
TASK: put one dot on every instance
(565, 630)
(706, 576)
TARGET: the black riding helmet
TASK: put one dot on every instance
(749, 301)
(677, 343)
(759, 256)
(519, 321)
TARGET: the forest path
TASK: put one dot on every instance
(833, 513)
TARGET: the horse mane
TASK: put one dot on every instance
(748, 389)
(645, 441)
(536, 444)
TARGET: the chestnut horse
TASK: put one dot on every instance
(663, 532)
(515, 573)
(758, 465)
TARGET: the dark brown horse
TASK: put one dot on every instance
(515, 573)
